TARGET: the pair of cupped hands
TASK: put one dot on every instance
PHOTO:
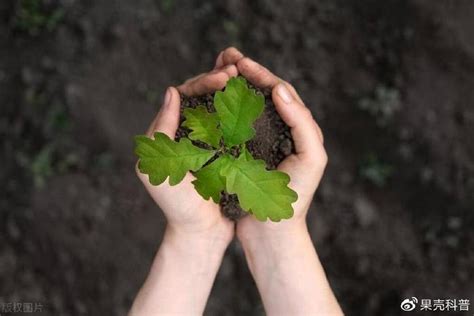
(192, 217)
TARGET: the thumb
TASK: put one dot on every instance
(304, 129)
(167, 120)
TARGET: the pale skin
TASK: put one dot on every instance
(281, 256)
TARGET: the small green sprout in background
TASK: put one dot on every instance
(49, 121)
(152, 96)
(261, 192)
(167, 5)
(104, 161)
(375, 171)
(383, 105)
(33, 17)
(232, 29)
(42, 166)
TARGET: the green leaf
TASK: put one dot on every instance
(209, 181)
(238, 107)
(162, 157)
(203, 125)
(264, 193)
(245, 154)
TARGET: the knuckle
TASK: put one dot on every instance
(324, 158)
(306, 113)
(258, 70)
(244, 64)
(317, 159)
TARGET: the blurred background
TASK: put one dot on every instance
(390, 82)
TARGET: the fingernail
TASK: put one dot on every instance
(284, 93)
(167, 99)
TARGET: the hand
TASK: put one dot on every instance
(281, 256)
(186, 211)
(197, 234)
(305, 167)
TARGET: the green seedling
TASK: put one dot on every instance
(225, 164)
(167, 5)
(33, 17)
(383, 105)
(376, 171)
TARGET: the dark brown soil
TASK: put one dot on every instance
(272, 142)
(389, 82)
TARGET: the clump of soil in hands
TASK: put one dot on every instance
(272, 142)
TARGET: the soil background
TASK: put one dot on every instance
(390, 82)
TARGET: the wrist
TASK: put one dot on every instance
(182, 274)
(253, 233)
(288, 272)
(209, 242)
(267, 245)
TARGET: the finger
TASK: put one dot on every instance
(231, 56)
(228, 56)
(209, 82)
(298, 98)
(261, 76)
(195, 78)
(230, 70)
(304, 129)
(167, 120)
(293, 92)
(188, 81)
(257, 74)
(295, 95)
(219, 60)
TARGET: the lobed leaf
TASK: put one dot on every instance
(264, 193)
(162, 157)
(204, 125)
(238, 107)
(209, 181)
